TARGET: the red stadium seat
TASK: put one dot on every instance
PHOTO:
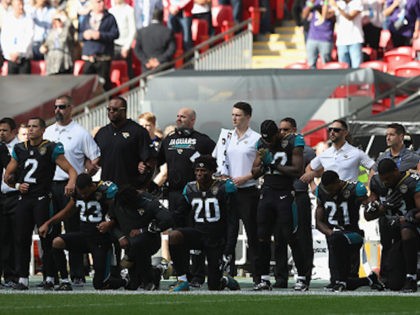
(298, 65)
(4, 69)
(38, 67)
(278, 6)
(371, 52)
(334, 65)
(119, 73)
(314, 138)
(410, 69)
(179, 50)
(251, 10)
(222, 18)
(200, 31)
(78, 67)
(374, 64)
(395, 58)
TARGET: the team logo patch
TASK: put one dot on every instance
(215, 190)
(98, 195)
(284, 143)
(346, 194)
(31, 152)
(125, 134)
(141, 211)
(42, 150)
(179, 151)
(403, 188)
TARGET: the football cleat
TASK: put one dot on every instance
(150, 287)
(410, 286)
(126, 262)
(48, 286)
(375, 283)
(195, 284)
(64, 286)
(78, 282)
(180, 286)
(230, 283)
(329, 287)
(9, 284)
(264, 285)
(20, 286)
(339, 286)
(300, 285)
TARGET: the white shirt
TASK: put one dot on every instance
(124, 15)
(16, 35)
(240, 154)
(349, 32)
(344, 161)
(4, 187)
(78, 145)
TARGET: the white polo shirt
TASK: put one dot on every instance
(345, 161)
(78, 146)
(240, 154)
(4, 187)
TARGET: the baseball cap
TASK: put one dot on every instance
(268, 129)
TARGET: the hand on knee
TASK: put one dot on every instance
(58, 242)
(176, 238)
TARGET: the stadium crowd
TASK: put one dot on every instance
(261, 178)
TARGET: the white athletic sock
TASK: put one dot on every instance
(183, 278)
(49, 279)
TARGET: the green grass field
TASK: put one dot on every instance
(246, 303)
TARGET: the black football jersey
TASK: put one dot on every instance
(93, 211)
(407, 187)
(36, 165)
(282, 153)
(342, 210)
(209, 209)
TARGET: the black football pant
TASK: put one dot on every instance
(100, 246)
(301, 241)
(8, 203)
(31, 211)
(180, 215)
(193, 239)
(274, 217)
(342, 247)
(71, 224)
(245, 203)
(140, 250)
(389, 235)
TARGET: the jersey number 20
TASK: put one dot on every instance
(206, 210)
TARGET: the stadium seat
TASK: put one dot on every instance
(395, 58)
(297, 65)
(314, 138)
(370, 52)
(222, 18)
(200, 31)
(334, 65)
(251, 10)
(4, 69)
(374, 64)
(38, 67)
(278, 6)
(119, 73)
(410, 69)
(78, 67)
(179, 51)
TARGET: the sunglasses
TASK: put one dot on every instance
(113, 109)
(284, 129)
(334, 129)
(62, 106)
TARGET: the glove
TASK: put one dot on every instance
(372, 207)
(393, 201)
(153, 228)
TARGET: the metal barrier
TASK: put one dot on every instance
(234, 53)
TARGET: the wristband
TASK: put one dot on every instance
(17, 186)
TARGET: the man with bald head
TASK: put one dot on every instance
(179, 150)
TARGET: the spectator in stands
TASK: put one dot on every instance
(16, 39)
(98, 32)
(180, 20)
(372, 21)
(148, 121)
(78, 10)
(155, 43)
(57, 47)
(202, 10)
(404, 158)
(5, 7)
(42, 14)
(349, 31)
(23, 132)
(402, 20)
(320, 39)
(297, 9)
(143, 11)
(124, 15)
